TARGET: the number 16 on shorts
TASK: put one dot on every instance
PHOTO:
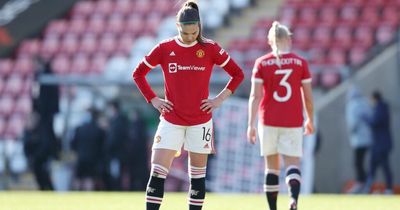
(195, 138)
(200, 138)
(206, 134)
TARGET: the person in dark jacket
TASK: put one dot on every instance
(88, 143)
(45, 98)
(136, 162)
(360, 136)
(382, 142)
(117, 135)
(38, 149)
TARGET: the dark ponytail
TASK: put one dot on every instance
(192, 4)
(190, 14)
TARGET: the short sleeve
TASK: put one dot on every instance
(256, 73)
(154, 57)
(306, 77)
(221, 57)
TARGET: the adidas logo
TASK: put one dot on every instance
(172, 53)
(206, 146)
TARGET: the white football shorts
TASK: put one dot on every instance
(196, 138)
(280, 140)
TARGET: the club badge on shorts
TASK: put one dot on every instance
(158, 139)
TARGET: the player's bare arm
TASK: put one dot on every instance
(256, 95)
(210, 104)
(308, 104)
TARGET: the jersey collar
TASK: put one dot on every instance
(184, 45)
(284, 52)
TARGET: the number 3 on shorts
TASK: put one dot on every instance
(285, 84)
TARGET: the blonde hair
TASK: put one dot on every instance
(275, 34)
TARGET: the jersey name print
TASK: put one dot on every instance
(282, 81)
(187, 70)
(282, 61)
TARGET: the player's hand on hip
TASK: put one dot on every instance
(210, 104)
(251, 134)
(309, 127)
(162, 105)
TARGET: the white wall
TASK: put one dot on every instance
(334, 162)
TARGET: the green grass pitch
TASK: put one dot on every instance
(177, 201)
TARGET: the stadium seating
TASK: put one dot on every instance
(332, 35)
(385, 32)
(14, 126)
(29, 48)
(100, 37)
(2, 125)
(6, 67)
(25, 66)
(14, 86)
(6, 105)
(23, 105)
(1, 86)
(61, 64)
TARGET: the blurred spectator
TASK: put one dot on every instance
(46, 101)
(135, 160)
(117, 135)
(382, 142)
(360, 134)
(39, 150)
(88, 143)
(45, 96)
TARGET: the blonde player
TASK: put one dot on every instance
(281, 83)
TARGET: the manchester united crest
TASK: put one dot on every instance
(200, 53)
(158, 139)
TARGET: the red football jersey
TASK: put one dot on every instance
(282, 104)
(187, 71)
